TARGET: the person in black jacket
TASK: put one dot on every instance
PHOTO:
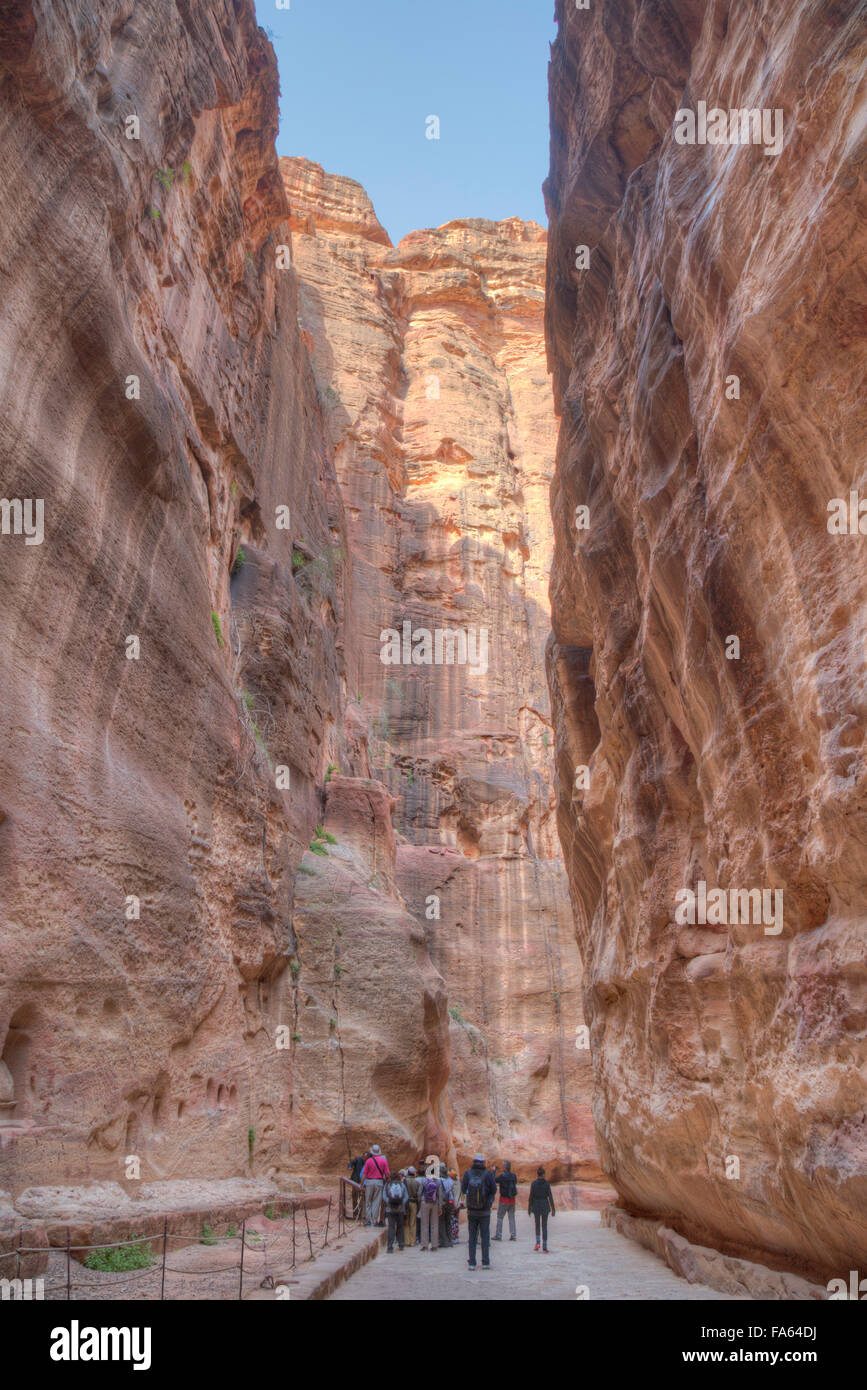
(479, 1188)
(541, 1202)
(508, 1185)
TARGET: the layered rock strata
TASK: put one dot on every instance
(173, 648)
(705, 323)
(430, 363)
(222, 819)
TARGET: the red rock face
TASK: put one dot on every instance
(708, 365)
(430, 363)
(222, 818)
(158, 401)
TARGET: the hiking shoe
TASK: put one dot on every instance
(486, 1266)
(513, 1237)
(535, 1247)
(545, 1250)
(471, 1268)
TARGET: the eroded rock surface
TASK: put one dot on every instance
(158, 793)
(430, 363)
(221, 816)
(708, 520)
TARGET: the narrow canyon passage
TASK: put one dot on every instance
(434, 671)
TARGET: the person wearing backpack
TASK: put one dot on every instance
(412, 1185)
(396, 1199)
(429, 1211)
(479, 1188)
(373, 1175)
(508, 1185)
(541, 1202)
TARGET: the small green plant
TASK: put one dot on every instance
(154, 214)
(232, 1232)
(248, 700)
(186, 171)
(332, 395)
(166, 177)
(240, 560)
(305, 869)
(320, 839)
(339, 971)
(296, 1037)
(339, 931)
(545, 738)
(295, 967)
(456, 1014)
(121, 1258)
(332, 768)
(332, 1024)
(218, 631)
(298, 559)
(233, 488)
(410, 777)
(251, 1140)
(207, 1237)
(271, 1212)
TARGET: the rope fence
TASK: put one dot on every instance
(263, 1260)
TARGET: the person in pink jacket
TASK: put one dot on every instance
(373, 1175)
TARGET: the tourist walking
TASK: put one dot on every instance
(356, 1168)
(412, 1185)
(447, 1208)
(429, 1212)
(456, 1209)
(396, 1200)
(508, 1185)
(373, 1175)
(479, 1188)
(540, 1203)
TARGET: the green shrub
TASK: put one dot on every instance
(339, 971)
(332, 768)
(298, 559)
(208, 1237)
(218, 631)
(251, 1140)
(271, 1212)
(121, 1258)
(240, 560)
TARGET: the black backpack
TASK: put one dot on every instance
(508, 1185)
(476, 1197)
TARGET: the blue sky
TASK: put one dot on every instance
(359, 80)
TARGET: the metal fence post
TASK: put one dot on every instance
(68, 1267)
(165, 1244)
(243, 1243)
(309, 1237)
(327, 1223)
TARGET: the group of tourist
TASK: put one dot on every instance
(422, 1207)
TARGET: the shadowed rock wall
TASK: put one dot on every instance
(708, 366)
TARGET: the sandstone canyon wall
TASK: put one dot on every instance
(708, 520)
(157, 802)
(221, 817)
(431, 365)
